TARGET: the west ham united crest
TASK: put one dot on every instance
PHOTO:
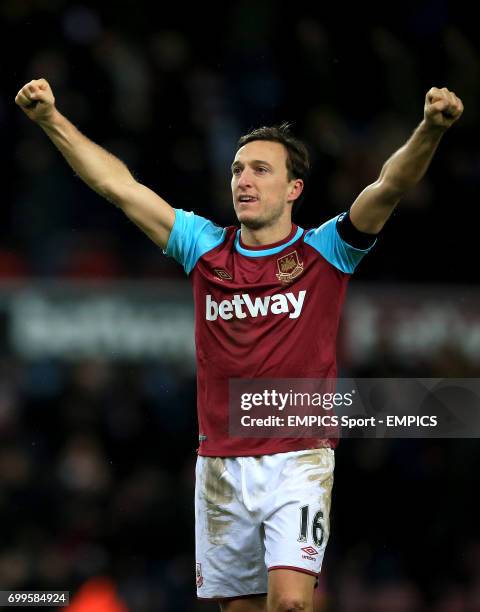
(289, 267)
(198, 574)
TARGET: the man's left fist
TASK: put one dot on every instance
(442, 108)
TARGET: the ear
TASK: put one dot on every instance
(295, 190)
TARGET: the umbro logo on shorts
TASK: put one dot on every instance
(309, 550)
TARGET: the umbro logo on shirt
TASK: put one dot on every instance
(222, 274)
(240, 306)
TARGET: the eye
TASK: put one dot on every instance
(236, 170)
(262, 169)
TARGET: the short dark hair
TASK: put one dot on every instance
(298, 162)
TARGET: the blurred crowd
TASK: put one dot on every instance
(97, 475)
(170, 96)
(96, 458)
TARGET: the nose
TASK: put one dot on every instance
(244, 179)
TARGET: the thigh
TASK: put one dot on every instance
(297, 529)
(229, 539)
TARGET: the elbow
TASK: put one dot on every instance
(397, 183)
(106, 190)
(114, 192)
(394, 188)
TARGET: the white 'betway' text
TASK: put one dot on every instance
(240, 306)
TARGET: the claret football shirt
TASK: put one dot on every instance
(260, 312)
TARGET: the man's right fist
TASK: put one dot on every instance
(36, 100)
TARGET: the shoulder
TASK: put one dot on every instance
(327, 240)
(191, 237)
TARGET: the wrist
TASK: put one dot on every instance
(50, 119)
(431, 129)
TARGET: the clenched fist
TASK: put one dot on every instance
(442, 108)
(36, 100)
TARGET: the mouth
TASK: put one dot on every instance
(245, 200)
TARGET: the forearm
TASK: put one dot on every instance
(101, 170)
(407, 165)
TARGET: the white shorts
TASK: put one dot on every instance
(254, 514)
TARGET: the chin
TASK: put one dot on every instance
(250, 221)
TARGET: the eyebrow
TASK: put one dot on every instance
(253, 162)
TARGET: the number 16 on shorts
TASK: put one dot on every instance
(315, 529)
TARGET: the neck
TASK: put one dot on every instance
(266, 235)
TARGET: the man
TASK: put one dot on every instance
(268, 298)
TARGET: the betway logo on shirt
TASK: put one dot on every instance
(240, 306)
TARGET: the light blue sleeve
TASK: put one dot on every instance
(191, 237)
(327, 241)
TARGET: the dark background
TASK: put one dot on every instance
(97, 457)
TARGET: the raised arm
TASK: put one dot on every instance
(101, 170)
(406, 167)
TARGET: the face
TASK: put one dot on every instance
(262, 193)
